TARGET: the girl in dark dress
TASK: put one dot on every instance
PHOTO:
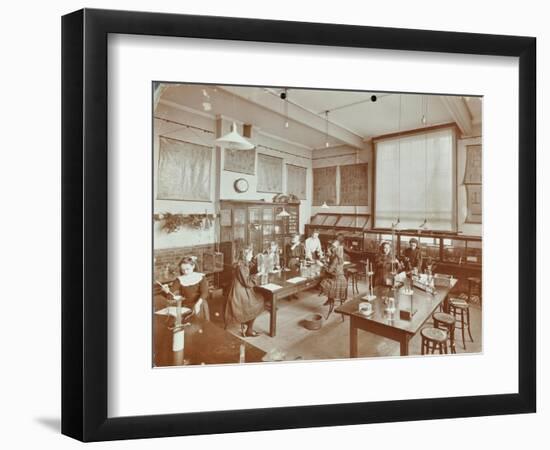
(243, 303)
(385, 266)
(335, 285)
(295, 252)
(412, 256)
(192, 286)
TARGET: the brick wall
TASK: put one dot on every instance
(166, 259)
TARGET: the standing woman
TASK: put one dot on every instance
(412, 257)
(385, 266)
(295, 252)
(334, 286)
(243, 303)
(192, 286)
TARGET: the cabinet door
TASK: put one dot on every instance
(239, 216)
(454, 251)
(239, 227)
(255, 237)
(267, 214)
(254, 215)
(293, 220)
(226, 234)
(473, 252)
(268, 234)
(281, 223)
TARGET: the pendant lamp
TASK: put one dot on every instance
(283, 213)
(234, 141)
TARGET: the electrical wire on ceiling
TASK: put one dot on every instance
(399, 161)
(194, 130)
(321, 114)
(371, 99)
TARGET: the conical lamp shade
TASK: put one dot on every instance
(283, 213)
(234, 140)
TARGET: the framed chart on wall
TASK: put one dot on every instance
(473, 184)
(270, 174)
(241, 161)
(184, 171)
(110, 392)
(296, 177)
(324, 186)
(354, 188)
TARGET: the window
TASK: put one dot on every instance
(415, 181)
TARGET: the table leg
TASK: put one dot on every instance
(445, 304)
(404, 343)
(352, 338)
(178, 358)
(273, 317)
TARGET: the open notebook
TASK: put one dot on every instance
(171, 311)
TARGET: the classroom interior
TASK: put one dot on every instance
(240, 167)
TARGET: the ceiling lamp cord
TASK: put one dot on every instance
(285, 100)
(326, 129)
(424, 224)
(399, 162)
(324, 205)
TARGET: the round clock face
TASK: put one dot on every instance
(241, 185)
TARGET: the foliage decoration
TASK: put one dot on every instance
(172, 223)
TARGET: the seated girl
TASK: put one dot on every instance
(243, 303)
(192, 286)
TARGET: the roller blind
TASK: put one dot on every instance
(414, 180)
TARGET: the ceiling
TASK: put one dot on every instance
(352, 115)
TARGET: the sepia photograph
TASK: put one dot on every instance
(295, 224)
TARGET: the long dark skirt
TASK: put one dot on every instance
(243, 304)
(335, 287)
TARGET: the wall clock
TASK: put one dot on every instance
(240, 185)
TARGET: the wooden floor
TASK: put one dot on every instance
(332, 340)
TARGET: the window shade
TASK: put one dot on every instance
(414, 180)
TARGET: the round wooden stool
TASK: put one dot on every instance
(460, 310)
(433, 339)
(352, 276)
(474, 284)
(447, 322)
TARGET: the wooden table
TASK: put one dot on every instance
(391, 326)
(287, 289)
(205, 343)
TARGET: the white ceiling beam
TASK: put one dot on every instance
(300, 116)
(460, 113)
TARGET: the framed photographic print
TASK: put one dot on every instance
(202, 295)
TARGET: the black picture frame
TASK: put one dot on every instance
(84, 224)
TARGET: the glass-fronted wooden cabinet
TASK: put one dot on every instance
(447, 250)
(442, 248)
(255, 223)
(351, 226)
